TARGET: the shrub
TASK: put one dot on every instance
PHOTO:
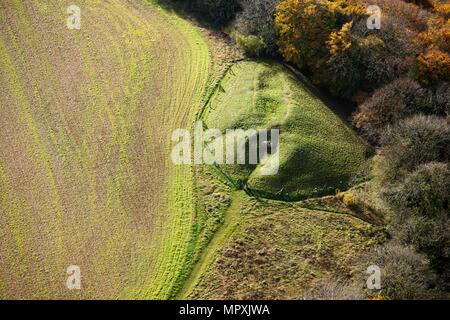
(422, 215)
(362, 60)
(405, 274)
(423, 3)
(443, 9)
(343, 72)
(389, 53)
(412, 142)
(433, 67)
(441, 100)
(406, 16)
(437, 34)
(432, 237)
(257, 18)
(217, 12)
(424, 192)
(253, 46)
(317, 36)
(334, 288)
(393, 102)
(349, 200)
(304, 27)
(422, 205)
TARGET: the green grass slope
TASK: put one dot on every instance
(318, 151)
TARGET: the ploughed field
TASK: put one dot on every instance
(86, 118)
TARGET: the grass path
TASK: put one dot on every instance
(232, 218)
(282, 250)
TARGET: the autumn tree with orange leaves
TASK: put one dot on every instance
(433, 65)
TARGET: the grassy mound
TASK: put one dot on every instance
(318, 151)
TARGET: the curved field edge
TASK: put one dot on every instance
(86, 176)
(178, 245)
